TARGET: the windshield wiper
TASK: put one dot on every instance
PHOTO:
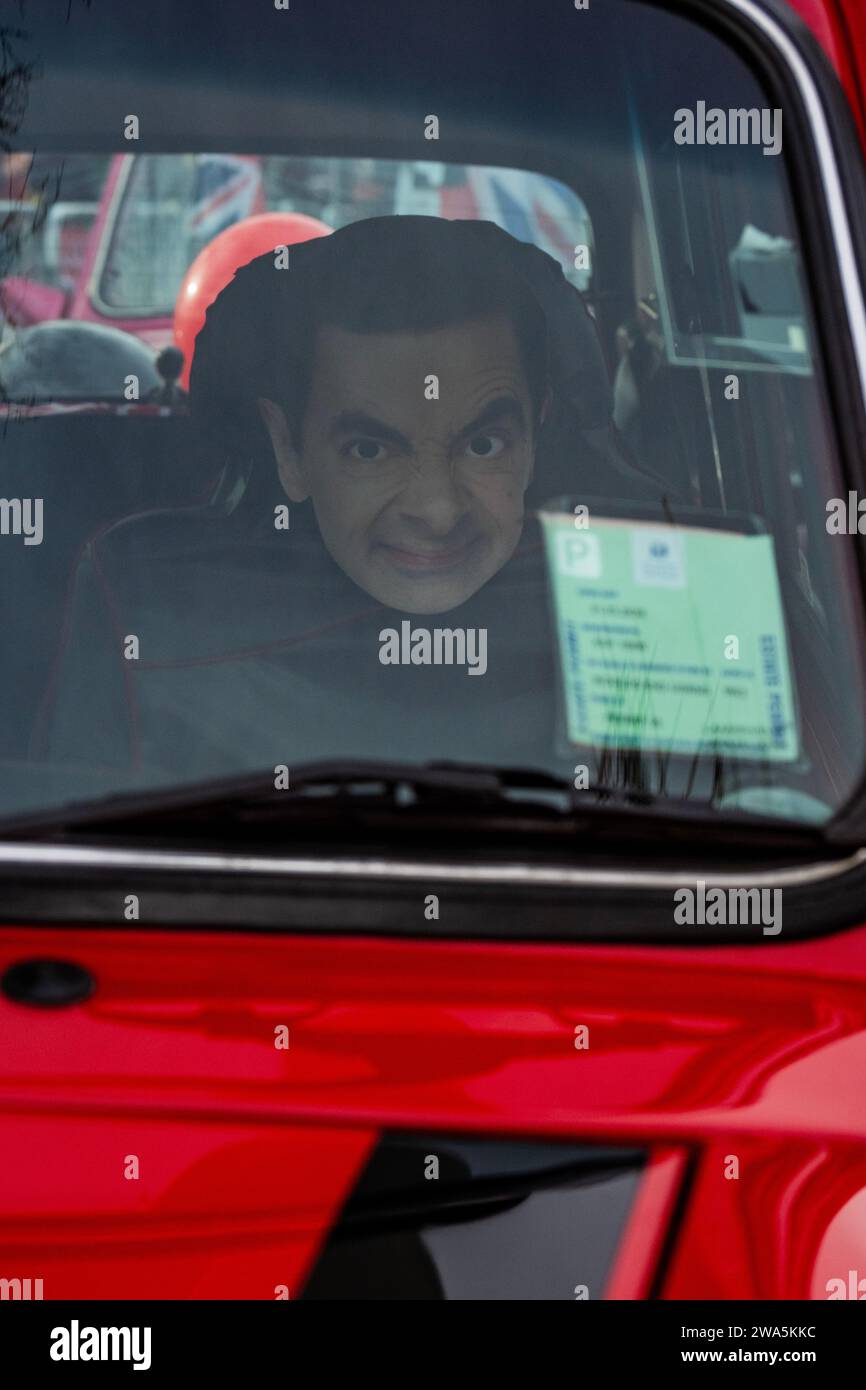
(357, 792)
(349, 784)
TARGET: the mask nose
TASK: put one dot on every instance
(433, 503)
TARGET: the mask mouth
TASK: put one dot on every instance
(425, 560)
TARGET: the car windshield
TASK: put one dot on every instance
(337, 427)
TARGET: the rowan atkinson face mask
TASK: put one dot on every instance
(401, 398)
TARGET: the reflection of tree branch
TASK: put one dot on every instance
(44, 199)
(19, 224)
(15, 76)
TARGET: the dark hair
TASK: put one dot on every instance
(382, 274)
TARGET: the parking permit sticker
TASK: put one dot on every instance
(671, 638)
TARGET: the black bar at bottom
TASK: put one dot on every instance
(66, 1339)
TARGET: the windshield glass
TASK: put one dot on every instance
(506, 444)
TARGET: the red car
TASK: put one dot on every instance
(327, 970)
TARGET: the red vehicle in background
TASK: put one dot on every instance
(87, 263)
(431, 1027)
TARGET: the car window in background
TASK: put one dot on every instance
(634, 556)
(172, 205)
(48, 204)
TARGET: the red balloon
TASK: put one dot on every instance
(216, 263)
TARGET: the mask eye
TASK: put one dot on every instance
(366, 450)
(485, 446)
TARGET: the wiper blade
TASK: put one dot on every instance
(328, 793)
(347, 783)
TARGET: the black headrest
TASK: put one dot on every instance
(578, 371)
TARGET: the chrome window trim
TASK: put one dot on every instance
(36, 856)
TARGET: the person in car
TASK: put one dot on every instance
(398, 386)
(400, 369)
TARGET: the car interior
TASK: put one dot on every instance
(669, 336)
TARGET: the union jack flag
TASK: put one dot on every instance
(531, 206)
(227, 188)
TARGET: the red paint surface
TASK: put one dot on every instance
(840, 28)
(709, 1055)
(758, 1053)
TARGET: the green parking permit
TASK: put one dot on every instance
(671, 638)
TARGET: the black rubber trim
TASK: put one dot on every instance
(361, 907)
